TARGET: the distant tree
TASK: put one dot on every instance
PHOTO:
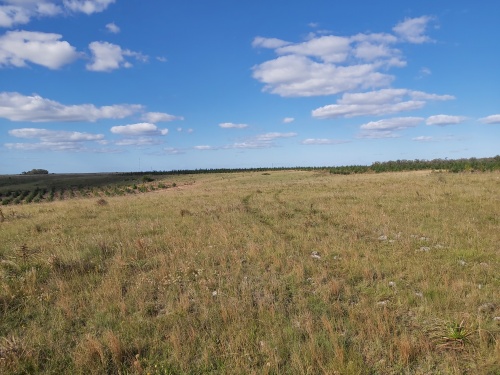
(37, 171)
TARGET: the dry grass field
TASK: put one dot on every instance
(287, 272)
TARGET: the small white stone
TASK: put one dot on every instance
(392, 284)
(214, 293)
(383, 238)
(315, 255)
(462, 262)
(424, 249)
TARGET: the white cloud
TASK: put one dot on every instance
(20, 12)
(288, 120)
(107, 57)
(370, 51)
(387, 128)
(413, 29)
(268, 42)
(46, 146)
(322, 141)
(34, 108)
(204, 147)
(13, 15)
(423, 138)
(52, 140)
(328, 48)
(331, 64)
(17, 12)
(230, 125)
(397, 123)
(87, 6)
(54, 135)
(443, 120)
(296, 75)
(17, 48)
(377, 103)
(493, 119)
(140, 129)
(113, 28)
(155, 117)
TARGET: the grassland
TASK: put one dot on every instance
(288, 272)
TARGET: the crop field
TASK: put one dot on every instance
(283, 272)
(18, 189)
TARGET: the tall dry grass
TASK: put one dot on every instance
(287, 273)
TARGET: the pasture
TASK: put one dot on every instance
(283, 272)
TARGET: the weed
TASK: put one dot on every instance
(102, 202)
(456, 335)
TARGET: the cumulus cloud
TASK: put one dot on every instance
(112, 28)
(156, 117)
(493, 119)
(377, 103)
(18, 48)
(413, 29)
(141, 129)
(328, 48)
(34, 108)
(322, 141)
(87, 6)
(387, 128)
(397, 123)
(331, 64)
(17, 12)
(107, 57)
(230, 125)
(20, 12)
(288, 120)
(54, 135)
(443, 120)
(52, 140)
(271, 43)
(297, 75)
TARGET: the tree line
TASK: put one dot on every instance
(450, 165)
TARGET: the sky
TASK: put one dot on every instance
(143, 85)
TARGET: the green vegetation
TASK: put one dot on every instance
(37, 171)
(291, 272)
(35, 188)
(458, 165)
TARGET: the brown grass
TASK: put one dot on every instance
(286, 273)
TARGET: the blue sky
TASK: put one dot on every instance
(117, 85)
